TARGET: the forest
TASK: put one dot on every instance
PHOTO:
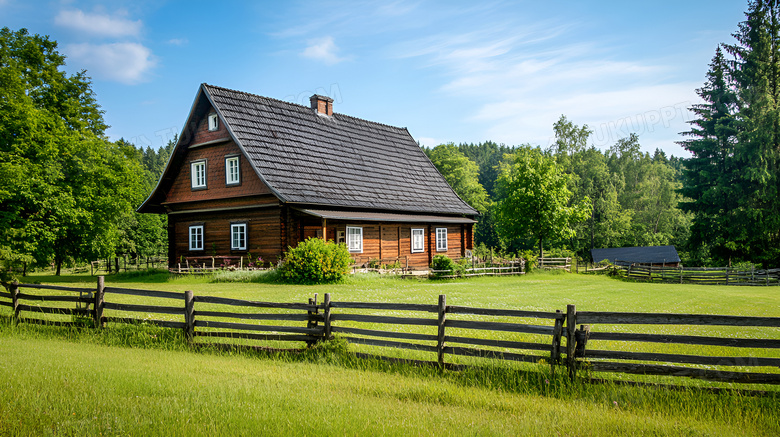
(68, 194)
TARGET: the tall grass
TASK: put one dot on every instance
(88, 382)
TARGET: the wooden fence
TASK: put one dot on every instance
(554, 263)
(698, 275)
(604, 341)
(126, 263)
(512, 267)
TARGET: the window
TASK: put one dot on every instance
(418, 240)
(232, 170)
(238, 236)
(441, 239)
(198, 174)
(213, 122)
(355, 239)
(196, 237)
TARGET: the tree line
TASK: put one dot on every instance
(719, 206)
(570, 196)
(67, 193)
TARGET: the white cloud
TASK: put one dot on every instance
(178, 41)
(98, 24)
(122, 62)
(323, 49)
(519, 81)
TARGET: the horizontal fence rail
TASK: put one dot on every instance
(697, 275)
(604, 342)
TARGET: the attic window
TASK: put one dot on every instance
(213, 122)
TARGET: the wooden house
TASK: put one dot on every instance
(251, 174)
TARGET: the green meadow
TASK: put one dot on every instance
(131, 380)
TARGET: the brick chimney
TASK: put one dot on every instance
(322, 104)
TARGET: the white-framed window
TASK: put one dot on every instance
(196, 237)
(418, 240)
(238, 236)
(441, 239)
(232, 170)
(355, 239)
(213, 122)
(198, 174)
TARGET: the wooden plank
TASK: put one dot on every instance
(705, 374)
(54, 298)
(687, 339)
(251, 336)
(253, 316)
(6, 295)
(503, 313)
(57, 287)
(500, 326)
(383, 319)
(7, 304)
(143, 308)
(468, 352)
(385, 306)
(48, 310)
(684, 359)
(145, 293)
(249, 303)
(388, 343)
(500, 343)
(134, 321)
(615, 318)
(248, 327)
(388, 334)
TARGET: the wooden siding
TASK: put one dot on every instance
(235, 202)
(263, 233)
(216, 186)
(395, 238)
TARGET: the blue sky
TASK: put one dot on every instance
(448, 71)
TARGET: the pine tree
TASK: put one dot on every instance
(709, 175)
(755, 225)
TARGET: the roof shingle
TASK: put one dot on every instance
(337, 161)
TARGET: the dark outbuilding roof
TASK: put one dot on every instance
(641, 254)
(335, 161)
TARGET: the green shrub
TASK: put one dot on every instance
(315, 261)
(442, 262)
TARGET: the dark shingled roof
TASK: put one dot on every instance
(642, 254)
(338, 161)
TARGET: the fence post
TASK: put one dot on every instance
(189, 315)
(15, 298)
(326, 316)
(440, 335)
(311, 323)
(571, 326)
(99, 299)
(555, 354)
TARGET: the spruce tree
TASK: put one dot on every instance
(710, 174)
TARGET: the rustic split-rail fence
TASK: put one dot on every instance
(697, 275)
(570, 340)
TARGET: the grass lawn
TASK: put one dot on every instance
(537, 291)
(90, 384)
(57, 387)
